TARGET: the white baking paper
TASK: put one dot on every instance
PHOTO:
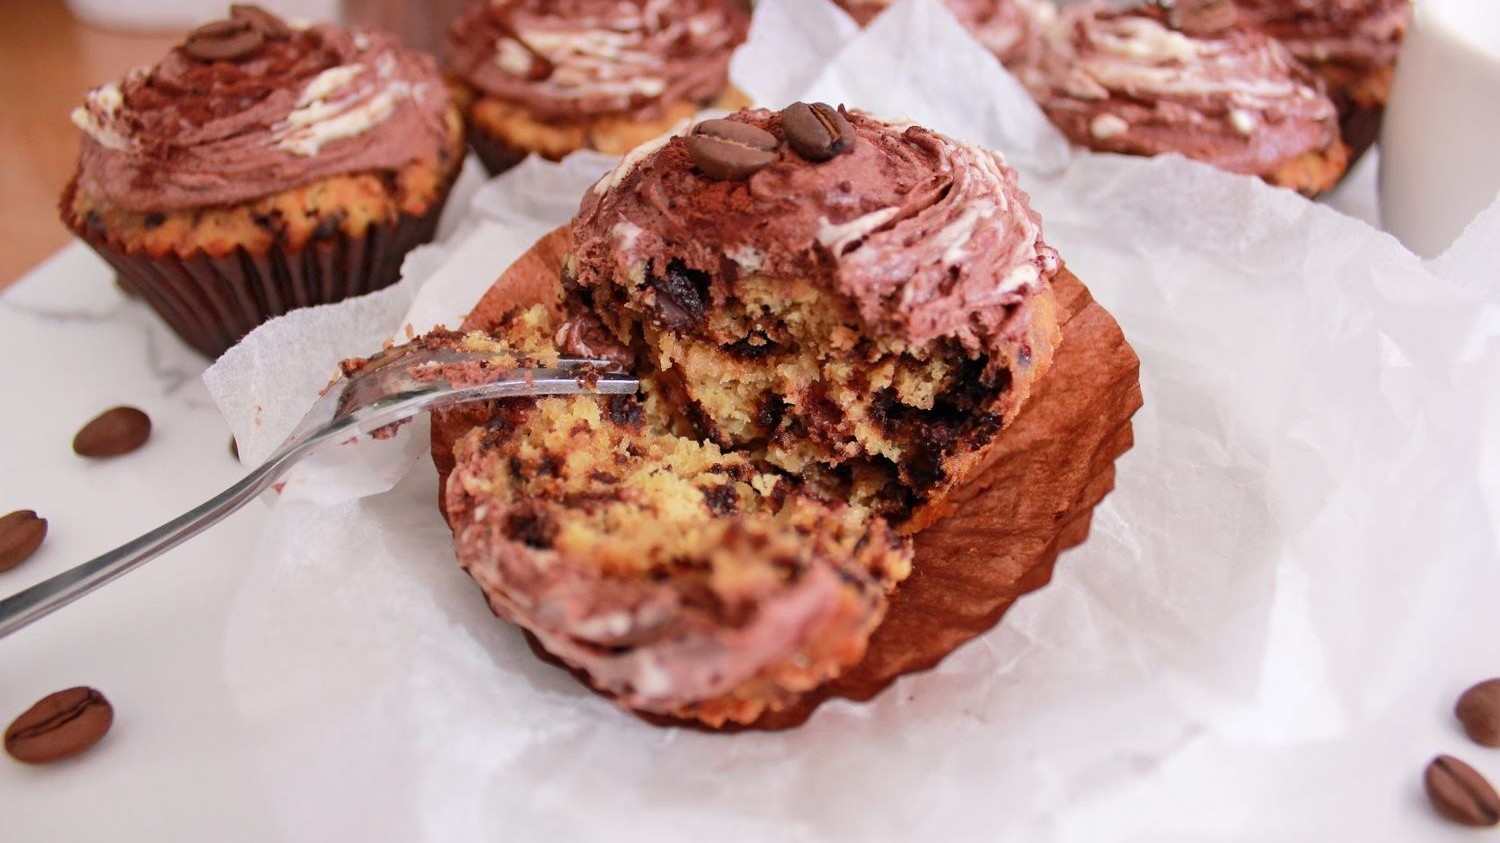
(1261, 641)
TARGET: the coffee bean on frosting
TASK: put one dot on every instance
(1479, 712)
(817, 132)
(729, 150)
(21, 533)
(60, 725)
(1459, 793)
(262, 21)
(224, 40)
(1202, 18)
(114, 432)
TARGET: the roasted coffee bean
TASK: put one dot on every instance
(1479, 712)
(21, 533)
(60, 725)
(234, 447)
(114, 432)
(818, 131)
(260, 20)
(1460, 793)
(729, 150)
(1203, 18)
(224, 40)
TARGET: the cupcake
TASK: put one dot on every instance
(554, 77)
(1007, 28)
(1188, 77)
(1351, 44)
(261, 167)
(834, 318)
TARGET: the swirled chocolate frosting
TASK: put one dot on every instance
(1007, 28)
(1129, 80)
(929, 236)
(312, 103)
(574, 59)
(1358, 33)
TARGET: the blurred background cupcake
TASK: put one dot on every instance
(1351, 44)
(1008, 28)
(260, 167)
(1187, 77)
(554, 76)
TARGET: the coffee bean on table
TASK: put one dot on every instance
(60, 725)
(1479, 712)
(223, 40)
(234, 447)
(21, 533)
(729, 150)
(1460, 793)
(114, 432)
(818, 131)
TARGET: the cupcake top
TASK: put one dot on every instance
(1007, 28)
(1192, 79)
(576, 59)
(250, 106)
(929, 236)
(1360, 33)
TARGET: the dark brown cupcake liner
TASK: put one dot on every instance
(495, 154)
(213, 302)
(1360, 128)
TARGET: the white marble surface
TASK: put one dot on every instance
(175, 765)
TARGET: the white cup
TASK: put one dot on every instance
(1440, 145)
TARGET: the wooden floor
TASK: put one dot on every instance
(47, 61)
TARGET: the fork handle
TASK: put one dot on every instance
(53, 593)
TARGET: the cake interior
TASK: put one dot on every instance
(786, 372)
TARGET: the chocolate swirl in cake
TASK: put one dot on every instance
(1126, 81)
(293, 108)
(1007, 28)
(929, 236)
(572, 59)
(1359, 33)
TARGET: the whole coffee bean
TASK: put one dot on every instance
(224, 40)
(1460, 793)
(729, 150)
(234, 447)
(260, 20)
(1479, 712)
(1203, 18)
(59, 726)
(21, 533)
(114, 432)
(818, 132)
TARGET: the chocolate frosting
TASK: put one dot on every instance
(574, 59)
(1359, 33)
(1124, 81)
(929, 236)
(1007, 28)
(324, 102)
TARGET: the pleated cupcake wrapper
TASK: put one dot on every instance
(496, 155)
(213, 302)
(1360, 127)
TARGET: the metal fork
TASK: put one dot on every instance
(393, 386)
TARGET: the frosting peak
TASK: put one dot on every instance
(1007, 28)
(928, 235)
(323, 101)
(1125, 81)
(1359, 33)
(572, 59)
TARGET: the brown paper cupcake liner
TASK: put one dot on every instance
(213, 302)
(1032, 499)
(496, 155)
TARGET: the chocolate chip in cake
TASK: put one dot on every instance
(112, 433)
(223, 40)
(59, 725)
(818, 132)
(1479, 712)
(729, 150)
(21, 533)
(625, 411)
(260, 20)
(1460, 793)
(1202, 18)
(681, 297)
(721, 500)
